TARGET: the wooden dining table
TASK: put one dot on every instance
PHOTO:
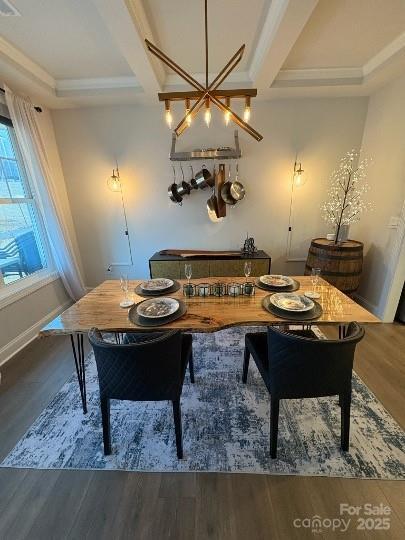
(100, 308)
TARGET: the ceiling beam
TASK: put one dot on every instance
(127, 23)
(283, 24)
(15, 57)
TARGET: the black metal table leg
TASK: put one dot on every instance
(78, 354)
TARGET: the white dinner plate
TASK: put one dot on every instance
(291, 302)
(156, 308)
(157, 284)
(275, 280)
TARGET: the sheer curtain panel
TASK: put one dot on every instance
(32, 148)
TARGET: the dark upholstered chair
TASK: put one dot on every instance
(298, 365)
(151, 369)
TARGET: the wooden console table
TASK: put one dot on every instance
(172, 266)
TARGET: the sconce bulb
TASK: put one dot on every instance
(169, 118)
(188, 117)
(207, 117)
(114, 183)
(227, 116)
(299, 177)
(246, 114)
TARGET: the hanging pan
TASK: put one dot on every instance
(172, 190)
(184, 188)
(226, 191)
(237, 189)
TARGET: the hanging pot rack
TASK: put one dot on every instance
(207, 153)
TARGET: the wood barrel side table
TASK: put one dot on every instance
(341, 264)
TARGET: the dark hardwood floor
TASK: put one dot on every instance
(46, 505)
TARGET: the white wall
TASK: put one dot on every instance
(89, 140)
(21, 321)
(384, 141)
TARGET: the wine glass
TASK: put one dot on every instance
(188, 271)
(124, 286)
(315, 273)
(247, 269)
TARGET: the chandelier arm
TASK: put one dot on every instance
(241, 123)
(182, 126)
(172, 65)
(222, 75)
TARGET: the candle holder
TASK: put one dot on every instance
(234, 289)
(249, 288)
(203, 289)
(189, 289)
(218, 289)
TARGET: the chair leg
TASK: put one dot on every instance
(191, 367)
(345, 400)
(105, 416)
(274, 410)
(245, 365)
(177, 427)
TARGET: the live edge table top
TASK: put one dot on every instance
(100, 308)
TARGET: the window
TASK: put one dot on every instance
(22, 246)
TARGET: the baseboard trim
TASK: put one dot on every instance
(23, 339)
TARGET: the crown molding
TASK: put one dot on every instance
(318, 77)
(99, 83)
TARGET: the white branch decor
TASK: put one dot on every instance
(345, 202)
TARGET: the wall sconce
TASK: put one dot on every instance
(114, 183)
(299, 178)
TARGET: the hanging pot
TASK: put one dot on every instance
(173, 193)
(204, 179)
(226, 191)
(184, 188)
(237, 189)
(193, 182)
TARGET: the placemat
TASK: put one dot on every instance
(312, 314)
(143, 321)
(290, 288)
(147, 294)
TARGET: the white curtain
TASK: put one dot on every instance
(31, 144)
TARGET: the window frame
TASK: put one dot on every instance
(26, 285)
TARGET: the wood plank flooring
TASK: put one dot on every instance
(113, 504)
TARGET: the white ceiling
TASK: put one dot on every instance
(67, 38)
(179, 29)
(91, 52)
(346, 33)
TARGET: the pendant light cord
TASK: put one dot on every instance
(206, 44)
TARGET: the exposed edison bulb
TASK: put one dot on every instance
(227, 114)
(299, 176)
(207, 114)
(168, 114)
(169, 119)
(114, 182)
(246, 112)
(188, 115)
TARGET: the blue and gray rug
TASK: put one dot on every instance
(225, 427)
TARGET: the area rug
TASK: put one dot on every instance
(225, 426)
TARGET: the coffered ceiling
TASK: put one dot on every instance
(67, 53)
